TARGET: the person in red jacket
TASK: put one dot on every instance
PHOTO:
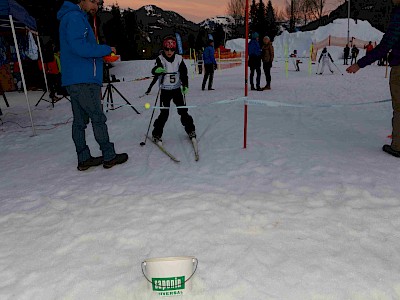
(368, 48)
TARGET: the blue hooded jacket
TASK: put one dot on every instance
(390, 41)
(208, 55)
(80, 55)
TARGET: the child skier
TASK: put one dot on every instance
(326, 58)
(174, 84)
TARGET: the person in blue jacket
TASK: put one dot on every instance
(210, 65)
(255, 61)
(390, 43)
(82, 75)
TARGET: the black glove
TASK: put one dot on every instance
(215, 66)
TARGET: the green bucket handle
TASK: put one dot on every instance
(195, 268)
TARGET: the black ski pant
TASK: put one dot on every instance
(267, 65)
(208, 72)
(165, 99)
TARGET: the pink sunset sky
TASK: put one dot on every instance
(198, 11)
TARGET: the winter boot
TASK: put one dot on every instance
(267, 87)
(117, 160)
(390, 150)
(90, 162)
(157, 140)
(192, 135)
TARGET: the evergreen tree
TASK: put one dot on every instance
(130, 50)
(114, 31)
(201, 40)
(271, 25)
(219, 36)
(261, 26)
(253, 16)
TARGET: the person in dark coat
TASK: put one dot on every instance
(354, 54)
(255, 61)
(346, 53)
(390, 41)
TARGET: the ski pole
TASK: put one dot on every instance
(337, 68)
(152, 114)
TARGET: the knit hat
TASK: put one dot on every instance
(254, 35)
(169, 42)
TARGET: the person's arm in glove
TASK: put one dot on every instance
(160, 70)
(215, 66)
(185, 90)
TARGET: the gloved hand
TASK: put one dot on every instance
(160, 70)
(215, 66)
(185, 90)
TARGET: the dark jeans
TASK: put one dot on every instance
(165, 99)
(258, 78)
(209, 72)
(86, 104)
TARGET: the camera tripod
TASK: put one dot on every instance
(110, 88)
(54, 99)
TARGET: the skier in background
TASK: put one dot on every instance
(296, 61)
(326, 60)
(174, 85)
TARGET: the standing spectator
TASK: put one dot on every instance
(174, 85)
(326, 60)
(354, 54)
(209, 65)
(390, 41)
(368, 48)
(346, 53)
(82, 74)
(267, 56)
(255, 61)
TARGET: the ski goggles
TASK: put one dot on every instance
(169, 49)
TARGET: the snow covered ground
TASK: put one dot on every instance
(309, 210)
